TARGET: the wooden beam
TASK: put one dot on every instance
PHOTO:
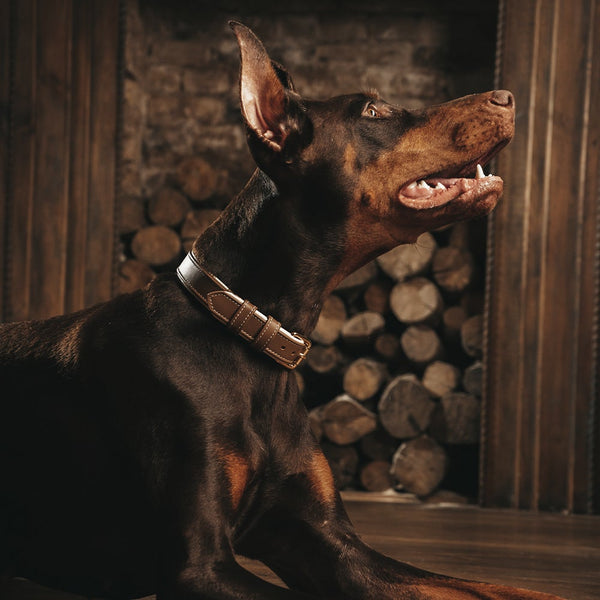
(543, 303)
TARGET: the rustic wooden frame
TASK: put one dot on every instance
(540, 427)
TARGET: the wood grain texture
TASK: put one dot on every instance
(5, 88)
(553, 553)
(58, 247)
(542, 319)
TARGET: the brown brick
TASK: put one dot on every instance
(162, 109)
(221, 137)
(163, 79)
(131, 148)
(207, 81)
(130, 179)
(421, 85)
(293, 29)
(334, 29)
(392, 52)
(204, 109)
(179, 52)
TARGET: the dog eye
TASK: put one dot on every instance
(371, 111)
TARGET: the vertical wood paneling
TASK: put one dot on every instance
(22, 153)
(79, 154)
(103, 133)
(5, 55)
(542, 306)
(52, 130)
(588, 384)
(58, 254)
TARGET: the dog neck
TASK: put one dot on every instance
(275, 249)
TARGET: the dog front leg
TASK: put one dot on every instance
(222, 580)
(308, 540)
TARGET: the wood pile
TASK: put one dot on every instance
(394, 377)
(156, 234)
(402, 339)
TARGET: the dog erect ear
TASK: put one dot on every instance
(264, 87)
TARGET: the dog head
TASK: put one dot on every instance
(393, 172)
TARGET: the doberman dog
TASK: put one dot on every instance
(147, 440)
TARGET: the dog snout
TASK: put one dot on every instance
(502, 98)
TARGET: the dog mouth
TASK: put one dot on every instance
(437, 190)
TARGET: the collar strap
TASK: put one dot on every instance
(241, 316)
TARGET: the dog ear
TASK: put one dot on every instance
(264, 91)
(283, 76)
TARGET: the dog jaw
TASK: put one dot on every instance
(436, 192)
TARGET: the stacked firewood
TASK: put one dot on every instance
(156, 233)
(393, 380)
(397, 356)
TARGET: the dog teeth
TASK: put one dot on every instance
(423, 185)
(479, 173)
(413, 186)
(440, 186)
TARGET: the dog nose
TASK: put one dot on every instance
(502, 98)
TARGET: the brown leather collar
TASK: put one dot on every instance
(241, 316)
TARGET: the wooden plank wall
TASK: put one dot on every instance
(540, 428)
(4, 128)
(59, 157)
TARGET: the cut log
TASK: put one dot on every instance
(156, 245)
(134, 274)
(452, 319)
(456, 419)
(324, 359)
(453, 269)
(416, 301)
(440, 378)
(359, 278)
(377, 296)
(343, 461)
(131, 215)
(362, 328)
(363, 378)
(405, 407)
(378, 445)
(345, 421)
(332, 317)
(471, 335)
(196, 178)
(473, 379)
(376, 477)
(387, 345)
(196, 222)
(420, 465)
(421, 344)
(169, 207)
(409, 259)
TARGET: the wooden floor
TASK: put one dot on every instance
(552, 553)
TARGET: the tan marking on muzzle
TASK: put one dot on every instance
(454, 134)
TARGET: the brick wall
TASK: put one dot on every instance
(182, 67)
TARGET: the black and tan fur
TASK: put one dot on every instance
(142, 444)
